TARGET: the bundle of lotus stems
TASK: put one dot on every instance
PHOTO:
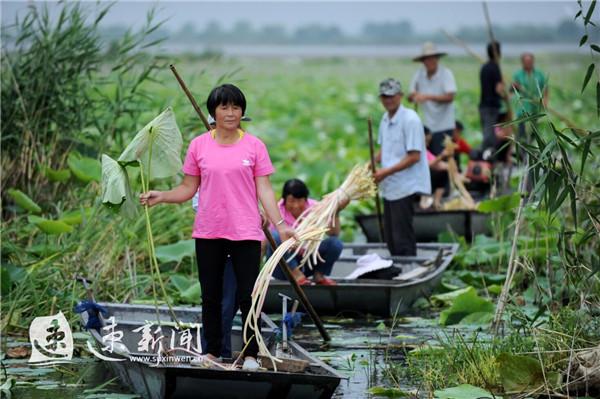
(311, 227)
(456, 178)
(358, 185)
(261, 286)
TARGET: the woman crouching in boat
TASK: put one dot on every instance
(231, 167)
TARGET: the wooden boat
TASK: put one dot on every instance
(139, 372)
(429, 224)
(372, 296)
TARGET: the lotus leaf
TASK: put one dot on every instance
(24, 201)
(500, 204)
(523, 373)
(465, 304)
(175, 252)
(50, 226)
(464, 391)
(84, 168)
(60, 175)
(161, 140)
(116, 191)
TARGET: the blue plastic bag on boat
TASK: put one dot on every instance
(93, 309)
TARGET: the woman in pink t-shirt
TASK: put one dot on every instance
(231, 168)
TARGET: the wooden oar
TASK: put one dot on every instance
(284, 266)
(377, 202)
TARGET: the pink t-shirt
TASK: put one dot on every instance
(430, 157)
(287, 216)
(229, 205)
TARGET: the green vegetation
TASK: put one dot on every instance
(66, 100)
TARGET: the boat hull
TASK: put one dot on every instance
(180, 380)
(428, 225)
(368, 296)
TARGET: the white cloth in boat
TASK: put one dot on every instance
(369, 263)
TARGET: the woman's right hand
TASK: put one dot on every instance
(151, 198)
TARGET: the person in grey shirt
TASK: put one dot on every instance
(433, 87)
(404, 170)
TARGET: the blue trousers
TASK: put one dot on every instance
(229, 308)
(330, 250)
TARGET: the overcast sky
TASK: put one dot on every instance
(426, 16)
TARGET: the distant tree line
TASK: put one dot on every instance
(399, 32)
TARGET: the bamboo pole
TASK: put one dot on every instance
(283, 264)
(190, 97)
(377, 201)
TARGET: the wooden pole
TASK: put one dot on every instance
(377, 202)
(190, 97)
(282, 263)
(299, 292)
(497, 58)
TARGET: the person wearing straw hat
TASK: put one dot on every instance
(433, 87)
(404, 171)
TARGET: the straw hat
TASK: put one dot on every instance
(429, 50)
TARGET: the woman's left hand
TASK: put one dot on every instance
(286, 232)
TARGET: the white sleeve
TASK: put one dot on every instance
(379, 134)
(415, 135)
(449, 82)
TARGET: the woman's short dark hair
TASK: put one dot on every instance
(426, 130)
(490, 49)
(294, 187)
(223, 95)
(458, 125)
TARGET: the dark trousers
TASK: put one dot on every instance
(330, 250)
(228, 309)
(211, 255)
(437, 141)
(398, 226)
(439, 179)
(489, 117)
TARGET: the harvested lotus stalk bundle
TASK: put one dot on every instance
(456, 178)
(261, 286)
(311, 227)
(358, 185)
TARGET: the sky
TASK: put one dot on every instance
(350, 16)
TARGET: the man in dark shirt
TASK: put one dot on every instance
(492, 92)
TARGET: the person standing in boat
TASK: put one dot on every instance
(433, 87)
(404, 172)
(294, 201)
(231, 167)
(229, 304)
